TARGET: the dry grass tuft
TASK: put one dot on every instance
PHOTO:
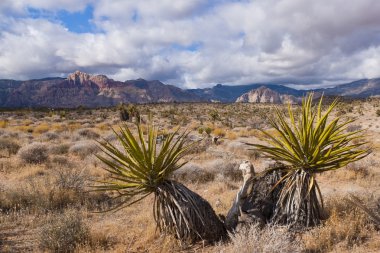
(346, 228)
(63, 232)
(271, 239)
(41, 128)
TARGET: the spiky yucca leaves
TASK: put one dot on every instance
(309, 145)
(144, 167)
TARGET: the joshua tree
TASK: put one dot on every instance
(310, 145)
(143, 168)
(214, 115)
(123, 113)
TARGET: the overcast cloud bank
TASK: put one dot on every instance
(194, 43)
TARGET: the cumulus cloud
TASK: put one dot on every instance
(194, 43)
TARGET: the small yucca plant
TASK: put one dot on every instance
(309, 145)
(143, 167)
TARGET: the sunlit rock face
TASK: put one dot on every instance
(266, 95)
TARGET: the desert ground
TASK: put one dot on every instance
(48, 164)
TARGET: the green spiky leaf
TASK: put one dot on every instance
(313, 142)
(141, 165)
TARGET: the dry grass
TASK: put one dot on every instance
(63, 233)
(3, 123)
(268, 240)
(219, 132)
(41, 128)
(346, 228)
(32, 194)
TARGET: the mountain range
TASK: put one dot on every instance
(82, 89)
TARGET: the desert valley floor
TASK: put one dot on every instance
(48, 163)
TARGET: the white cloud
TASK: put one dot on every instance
(21, 6)
(197, 43)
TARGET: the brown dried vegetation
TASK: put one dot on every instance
(36, 195)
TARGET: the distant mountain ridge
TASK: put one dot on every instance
(358, 89)
(82, 89)
(226, 93)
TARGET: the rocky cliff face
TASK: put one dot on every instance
(82, 89)
(266, 95)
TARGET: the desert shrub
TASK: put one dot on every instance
(353, 128)
(208, 130)
(214, 115)
(83, 148)
(9, 145)
(219, 132)
(371, 207)
(227, 169)
(62, 114)
(253, 154)
(336, 230)
(123, 113)
(202, 146)
(41, 195)
(70, 179)
(110, 138)
(268, 240)
(72, 126)
(200, 130)
(49, 136)
(3, 123)
(41, 128)
(63, 232)
(194, 174)
(231, 135)
(61, 191)
(35, 152)
(59, 149)
(58, 128)
(62, 161)
(103, 126)
(88, 133)
(378, 112)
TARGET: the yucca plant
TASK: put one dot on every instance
(308, 145)
(143, 167)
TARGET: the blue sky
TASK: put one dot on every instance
(193, 43)
(76, 21)
(79, 21)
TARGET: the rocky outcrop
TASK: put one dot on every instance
(266, 95)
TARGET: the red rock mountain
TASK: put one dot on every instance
(82, 89)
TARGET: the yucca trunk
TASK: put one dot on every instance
(284, 198)
(299, 202)
(182, 212)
